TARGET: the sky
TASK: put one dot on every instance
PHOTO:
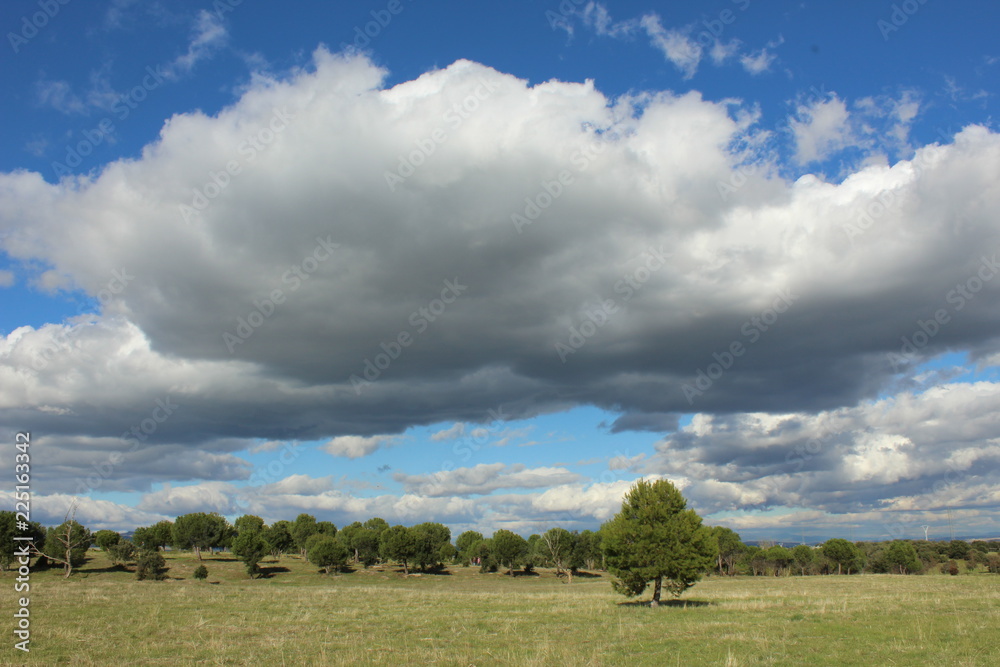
(490, 264)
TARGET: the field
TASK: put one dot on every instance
(103, 616)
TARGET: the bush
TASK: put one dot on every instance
(150, 565)
(121, 553)
(201, 573)
(952, 568)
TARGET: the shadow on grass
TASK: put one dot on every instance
(270, 571)
(678, 604)
(585, 575)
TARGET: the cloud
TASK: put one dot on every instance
(208, 34)
(757, 62)
(677, 47)
(484, 478)
(940, 446)
(178, 252)
(6, 278)
(821, 128)
(356, 446)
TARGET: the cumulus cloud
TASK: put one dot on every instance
(821, 128)
(395, 256)
(355, 446)
(938, 446)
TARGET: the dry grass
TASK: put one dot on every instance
(299, 617)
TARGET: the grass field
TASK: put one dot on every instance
(103, 616)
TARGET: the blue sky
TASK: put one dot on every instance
(775, 287)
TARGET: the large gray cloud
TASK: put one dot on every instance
(550, 248)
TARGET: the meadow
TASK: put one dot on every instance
(296, 616)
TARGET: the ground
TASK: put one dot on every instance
(296, 616)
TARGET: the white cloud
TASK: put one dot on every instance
(208, 34)
(676, 45)
(6, 278)
(757, 62)
(356, 446)
(821, 128)
(484, 478)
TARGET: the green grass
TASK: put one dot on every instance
(102, 616)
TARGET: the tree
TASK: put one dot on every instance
(250, 547)
(67, 543)
(377, 524)
(302, 529)
(656, 538)
(509, 549)
(106, 538)
(198, 530)
(958, 549)
(901, 556)
(842, 553)
(731, 547)
(428, 541)
(326, 528)
(804, 557)
(588, 551)
(156, 536)
(780, 558)
(326, 552)
(248, 522)
(122, 553)
(9, 549)
(558, 545)
(464, 544)
(201, 573)
(279, 539)
(398, 543)
(361, 542)
(150, 565)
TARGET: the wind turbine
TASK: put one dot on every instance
(925, 532)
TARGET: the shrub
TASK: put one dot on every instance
(201, 573)
(952, 568)
(150, 565)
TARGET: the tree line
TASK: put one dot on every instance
(654, 539)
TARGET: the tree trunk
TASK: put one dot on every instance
(405, 570)
(657, 583)
(569, 574)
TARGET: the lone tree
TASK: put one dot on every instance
(656, 538)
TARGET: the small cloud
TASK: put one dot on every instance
(6, 278)
(676, 46)
(757, 62)
(208, 35)
(356, 446)
(821, 129)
